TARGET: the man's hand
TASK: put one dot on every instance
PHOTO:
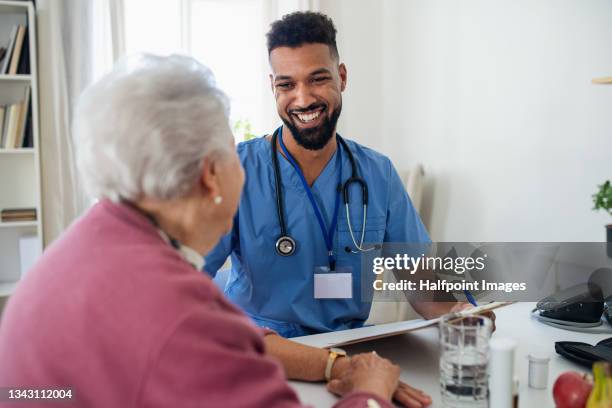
(404, 394)
(465, 306)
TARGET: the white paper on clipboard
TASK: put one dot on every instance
(353, 336)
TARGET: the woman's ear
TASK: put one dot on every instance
(209, 179)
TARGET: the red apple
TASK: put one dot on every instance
(572, 389)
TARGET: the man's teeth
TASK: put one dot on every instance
(308, 117)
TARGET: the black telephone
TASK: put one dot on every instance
(579, 308)
(583, 353)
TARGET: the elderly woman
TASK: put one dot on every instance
(117, 310)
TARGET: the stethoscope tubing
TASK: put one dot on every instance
(284, 236)
(359, 246)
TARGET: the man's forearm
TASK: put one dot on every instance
(300, 362)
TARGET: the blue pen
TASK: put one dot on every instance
(470, 298)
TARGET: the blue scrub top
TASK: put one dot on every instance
(278, 292)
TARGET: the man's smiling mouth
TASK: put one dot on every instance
(309, 116)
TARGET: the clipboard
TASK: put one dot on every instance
(369, 333)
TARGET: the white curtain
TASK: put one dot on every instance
(78, 40)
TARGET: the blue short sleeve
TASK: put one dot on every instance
(217, 256)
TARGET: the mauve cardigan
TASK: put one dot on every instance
(116, 314)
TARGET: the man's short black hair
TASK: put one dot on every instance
(303, 27)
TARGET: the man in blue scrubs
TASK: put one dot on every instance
(278, 291)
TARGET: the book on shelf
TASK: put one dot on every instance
(16, 59)
(18, 214)
(2, 114)
(28, 138)
(2, 54)
(12, 70)
(23, 67)
(16, 131)
(9, 50)
(11, 127)
(19, 219)
(4, 126)
(23, 116)
(8, 109)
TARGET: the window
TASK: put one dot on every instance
(228, 36)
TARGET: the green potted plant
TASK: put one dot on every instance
(243, 130)
(603, 201)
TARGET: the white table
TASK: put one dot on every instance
(417, 354)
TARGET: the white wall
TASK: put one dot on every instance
(494, 98)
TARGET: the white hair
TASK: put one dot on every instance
(144, 129)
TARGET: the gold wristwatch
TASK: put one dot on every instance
(334, 353)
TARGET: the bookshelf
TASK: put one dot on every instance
(20, 177)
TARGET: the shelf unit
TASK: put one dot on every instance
(19, 77)
(25, 150)
(20, 177)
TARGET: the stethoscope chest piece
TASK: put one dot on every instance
(285, 246)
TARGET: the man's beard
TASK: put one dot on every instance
(315, 138)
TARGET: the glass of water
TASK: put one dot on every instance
(464, 354)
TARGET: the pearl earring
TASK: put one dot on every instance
(218, 200)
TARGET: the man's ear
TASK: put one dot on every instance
(343, 76)
(209, 179)
(271, 83)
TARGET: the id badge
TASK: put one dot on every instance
(333, 285)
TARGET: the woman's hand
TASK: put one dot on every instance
(411, 397)
(404, 394)
(370, 373)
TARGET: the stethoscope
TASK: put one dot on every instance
(285, 244)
